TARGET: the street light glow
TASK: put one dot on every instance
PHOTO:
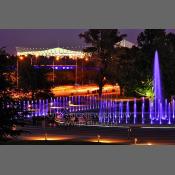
(21, 58)
(86, 59)
(57, 58)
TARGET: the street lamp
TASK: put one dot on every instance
(98, 138)
(17, 70)
(57, 58)
(76, 71)
(53, 64)
(53, 69)
(82, 70)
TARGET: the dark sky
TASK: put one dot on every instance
(50, 38)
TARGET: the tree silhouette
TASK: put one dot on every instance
(157, 39)
(8, 112)
(31, 79)
(102, 43)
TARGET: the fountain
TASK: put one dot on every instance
(156, 111)
(157, 87)
(109, 110)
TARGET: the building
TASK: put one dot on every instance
(125, 43)
(61, 52)
(56, 52)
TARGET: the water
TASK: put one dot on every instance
(145, 111)
(108, 109)
(157, 87)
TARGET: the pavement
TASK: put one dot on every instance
(76, 135)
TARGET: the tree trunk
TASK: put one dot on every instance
(100, 90)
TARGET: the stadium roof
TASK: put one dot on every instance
(63, 52)
(49, 52)
(125, 43)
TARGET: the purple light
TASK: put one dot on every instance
(157, 88)
(150, 110)
(143, 109)
(135, 110)
(127, 111)
(169, 113)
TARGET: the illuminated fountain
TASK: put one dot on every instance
(162, 111)
(142, 111)
(111, 111)
(158, 99)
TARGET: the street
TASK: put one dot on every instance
(96, 135)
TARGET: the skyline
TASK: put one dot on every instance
(51, 38)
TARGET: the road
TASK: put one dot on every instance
(99, 135)
(68, 90)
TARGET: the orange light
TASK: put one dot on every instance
(105, 140)
(21, 57)
(86, 59)
(49, 137)
(57, 58)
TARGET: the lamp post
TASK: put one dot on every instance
(76, 71)
(82, 68)
(31, 61)
(53, 68)
(86, 59)
(17, 70)
(82, 72)
(53, 74)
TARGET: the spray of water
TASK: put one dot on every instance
(158, 99)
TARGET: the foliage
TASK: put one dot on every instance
(4, 62)
(8, 113)
(146, 89)
(131, 67)
(9, 116)
(151, 40)
(31, 79)
(102, 43)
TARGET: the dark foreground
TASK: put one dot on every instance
(94, 135)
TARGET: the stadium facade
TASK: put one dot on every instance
(61, 52)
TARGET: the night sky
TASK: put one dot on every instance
(50, 38)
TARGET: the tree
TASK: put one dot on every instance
(102, 43)
(123, 70)
(5, 84)
(146, 89)
(132, 68)
(151, 40)
(9, 116)
(8, 113)
(31, 79)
